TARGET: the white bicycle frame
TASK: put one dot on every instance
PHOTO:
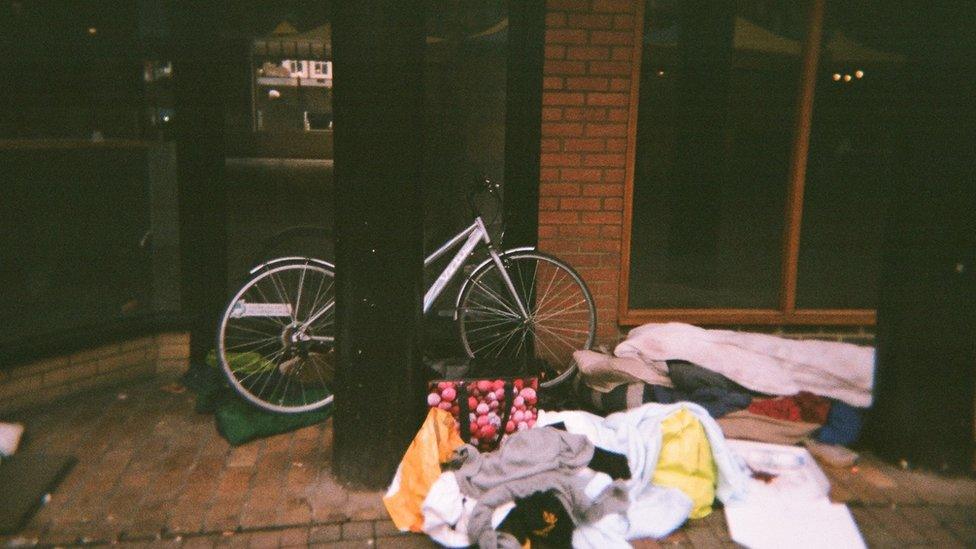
(472, 236)
(475, 234)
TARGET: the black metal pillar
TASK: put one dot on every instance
(523, 120)
(378, 49)
(199, 73)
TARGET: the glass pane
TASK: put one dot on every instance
(716, 117)
(70, 251)
(856, 114)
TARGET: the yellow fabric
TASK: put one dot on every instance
(420, 467)
(686, 461)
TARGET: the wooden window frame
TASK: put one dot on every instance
(787, 313)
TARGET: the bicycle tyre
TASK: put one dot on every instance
(568, 324)
(260, 343)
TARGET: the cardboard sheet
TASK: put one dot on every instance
(803, 524)
(787, 505)
(795, 473)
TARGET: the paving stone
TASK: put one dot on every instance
(964, 531)
(294, 537)
(410, 541)
(358, 530)
(923, 520)
(894, 522)
(325, 533)
(386, 528)
(198, 542)
(347, 544)
(264, 540)
(677, 537)
(244, 456)
(703, 537)
(874, 534)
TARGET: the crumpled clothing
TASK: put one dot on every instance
(525, 454)
(717, 401)
(540, 517)
(843, 425)
(447, 512)
(689, 377)
(654, 511)
(530, 461)
(746, 425)
(603, 373)
(803, 406)
(686, 461)
(760, 362)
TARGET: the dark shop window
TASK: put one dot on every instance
(765, 138)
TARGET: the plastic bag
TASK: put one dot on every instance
(421, 465)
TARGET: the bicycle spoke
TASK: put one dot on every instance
(541, 300)
(545, 296)
(561, 312)
(301, 284)
(541, 341)
(566, 341)
(267, 341)
(488, 326)
(560, 296)
(498, 298)
(487, 309)
(252, 330)
(489, 344)
(318, 293)
(282, 292)
(266, 300)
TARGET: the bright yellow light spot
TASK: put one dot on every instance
(847, 78)
(858, 74)
(836, 76)
(92, 31)
(660, 72)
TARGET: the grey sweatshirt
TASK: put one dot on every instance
(530, 461)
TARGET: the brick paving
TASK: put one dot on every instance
(152, 472)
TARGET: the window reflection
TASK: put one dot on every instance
(850, 164)
(715, 128)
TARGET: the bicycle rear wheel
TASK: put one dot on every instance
(561, 314)
(276, 337)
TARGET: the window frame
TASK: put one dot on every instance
(787, 313)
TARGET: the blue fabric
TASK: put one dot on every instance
(717, 401)
(843, 425)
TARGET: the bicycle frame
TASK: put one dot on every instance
(472, 236)
(475, 234)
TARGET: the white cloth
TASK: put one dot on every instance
(447, 511)
(654, 511)
(760, 362)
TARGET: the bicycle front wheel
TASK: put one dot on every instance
(560, 319)
(276, 337)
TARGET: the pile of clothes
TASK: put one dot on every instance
(574, 479)
(674, 393)
(759, 387)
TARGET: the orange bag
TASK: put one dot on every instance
(421, 465)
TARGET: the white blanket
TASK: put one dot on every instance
(654, 511)
(763, 363)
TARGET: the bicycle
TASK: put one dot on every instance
(275, 341)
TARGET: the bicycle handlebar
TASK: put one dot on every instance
(483, 184)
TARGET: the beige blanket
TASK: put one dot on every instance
(760, 362)
(603, 372)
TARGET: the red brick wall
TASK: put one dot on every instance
(585, 100)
